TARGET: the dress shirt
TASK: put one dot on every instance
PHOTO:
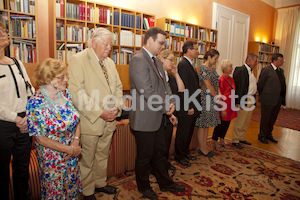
(252, 81)
(192, 63)
(10, 104)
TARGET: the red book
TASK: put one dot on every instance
(88, 12)
(104, 16)
(83, 12)
(62, 8)
(80, 12)
(151, 22)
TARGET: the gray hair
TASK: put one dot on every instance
(251, 56)
(225, 64)
(98, 34)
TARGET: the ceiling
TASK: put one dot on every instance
(281, 3)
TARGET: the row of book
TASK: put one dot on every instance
(268, 48)
(264, 57)
(123, 57)
(23, 50)
(128, 38)
(72, 33)
(64, 53)
(26, 6)
(23, 26)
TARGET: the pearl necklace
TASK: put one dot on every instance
(50, 98)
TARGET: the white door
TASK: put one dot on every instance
(233, 33)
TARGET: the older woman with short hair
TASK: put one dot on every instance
(54, 122)
(227, 85)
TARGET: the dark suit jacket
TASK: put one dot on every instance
(144, 76)
(269, 87)
(191, 82)
(241, 80)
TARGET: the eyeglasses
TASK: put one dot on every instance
(282, 60)
(107, 44)
(161, 42)
(63, 76)
(172, 60)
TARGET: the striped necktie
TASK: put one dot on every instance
(104, 71)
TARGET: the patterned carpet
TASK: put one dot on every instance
(288, 118)
(247, 174)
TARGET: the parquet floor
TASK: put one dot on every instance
(288, 140)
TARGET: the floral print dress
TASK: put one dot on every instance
(60, 178)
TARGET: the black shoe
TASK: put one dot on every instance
(108, 189)
(238, 145)
(189, 157)
(91, 197)
(173, 188)
(209, 154)
(245, 142)
(272, 139)
(263, 140)
(172, 167)
(150, 194)
(183, 162)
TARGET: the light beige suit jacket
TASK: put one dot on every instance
(90, 90)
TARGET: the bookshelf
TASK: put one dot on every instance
(20, 18)
(74, 21)
(178, 32)
(264, 52)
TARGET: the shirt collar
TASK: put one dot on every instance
(274, 67)
(148, 52)
(192, 63)
(248, 68)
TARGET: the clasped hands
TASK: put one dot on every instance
(74, 151)
(110, 115)
(21, 123)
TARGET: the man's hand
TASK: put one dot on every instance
(191, 111)
(21, 123)
(110, 115)
(173, 120)
(171, 109)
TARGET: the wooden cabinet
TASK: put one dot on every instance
(178, 32)
(20, 18)
(75, 20)
(264, 52)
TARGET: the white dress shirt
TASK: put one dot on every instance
(252, 81)
(10, 104)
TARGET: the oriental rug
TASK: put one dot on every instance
(288, 118)
(249, 174)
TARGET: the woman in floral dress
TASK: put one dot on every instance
(54, 122)
(209, 116)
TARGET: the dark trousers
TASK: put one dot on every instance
(168, 139)
(12, 142)
(184, 133)
(269, 115)
(221, 130)
(151, 148)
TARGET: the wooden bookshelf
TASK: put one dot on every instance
(75, 20)
(178, 32)
(20, 18)
(264, 52)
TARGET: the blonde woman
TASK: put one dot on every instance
(226, 84)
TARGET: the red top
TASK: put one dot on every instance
(226, 85)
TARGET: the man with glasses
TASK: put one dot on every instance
(148, 118)
(97, 91)
(272, 90)
(187, 118)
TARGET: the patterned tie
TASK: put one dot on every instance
(154, 60)
(104, 71)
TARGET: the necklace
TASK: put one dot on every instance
(50, 98)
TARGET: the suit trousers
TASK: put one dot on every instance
(13, 142)
(269, 115)
(184, 133)
(241, 124)
(220, 130)
(168, 139)
(93, 161)
(151, 148)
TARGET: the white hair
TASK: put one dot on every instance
(98, 34)
(225, 64)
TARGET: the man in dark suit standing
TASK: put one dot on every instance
(245, 83)
(272, 90)
(187, 118)
(148, 113)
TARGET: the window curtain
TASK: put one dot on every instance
(287, 37)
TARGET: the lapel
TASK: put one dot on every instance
(97, 68)
(159, 66)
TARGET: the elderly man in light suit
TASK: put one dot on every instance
(97, 91)
(148, 84)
